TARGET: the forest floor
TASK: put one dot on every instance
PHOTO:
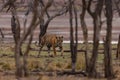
(47, 68)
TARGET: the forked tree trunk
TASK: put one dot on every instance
(16, 34)
(15, 27)
(92, 63)
(97, 27)
(73, 42)
(108, 50)
(85, 31)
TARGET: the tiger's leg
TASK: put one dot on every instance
(48, 50)
(61, 50)
(41, 44)
(39, 51)
(54, 50)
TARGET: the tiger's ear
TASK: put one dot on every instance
(61, 36)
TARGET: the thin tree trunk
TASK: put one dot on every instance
(71, 35)
(85, 31)
(76, 32)
(118, 49)
(108, 53)
(16, 32)
(97, 27)
(15, 28)
(92, 69)
(26, 56)
(19, 71)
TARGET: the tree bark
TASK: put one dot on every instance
(76, 32)
(118, 49)
(108, 53)
(16, 34)
(85, 31)
(15, 27)
(96, 15)
(26, 56)
(71, 35)
(73, 40)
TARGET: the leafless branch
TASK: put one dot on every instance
(89, 8)
(61, 12)
(44, 25)
(42, 3)
(117, 6)
(34, 22)
(8, 4)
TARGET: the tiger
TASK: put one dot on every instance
(51, 40)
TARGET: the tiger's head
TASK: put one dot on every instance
(59, 40)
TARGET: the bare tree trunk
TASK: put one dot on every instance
(97, 27)
(92, 63)
(73, 42)
(118, 49)
(85, 31)
(76, 32)
(14, 27)
(26, 56)
(19, 72)
(71, 35)
(108, 56)
(16, 32)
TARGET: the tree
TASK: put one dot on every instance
(108, 52)
(85, 30)
(21, 70)
(73, 42)
(96, 15)
(118, 49)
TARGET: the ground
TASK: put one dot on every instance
(46, 68)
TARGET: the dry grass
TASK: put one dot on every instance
(46, 63)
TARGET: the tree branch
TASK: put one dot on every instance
(89, 8)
